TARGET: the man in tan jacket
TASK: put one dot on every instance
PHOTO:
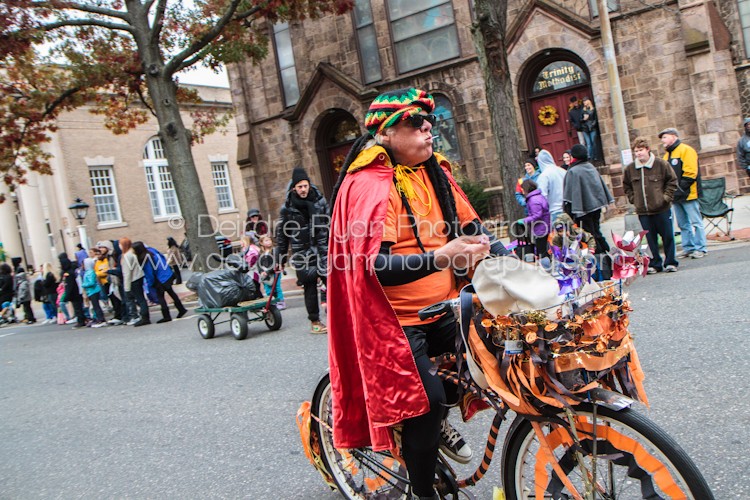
(650, 184)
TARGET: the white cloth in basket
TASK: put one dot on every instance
(506, 285)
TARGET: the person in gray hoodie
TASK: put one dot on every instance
(23, 295)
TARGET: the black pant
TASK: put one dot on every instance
(590, 224)
(78, 308)
(660, 225)
(98, 313)
(28, 312)
(540, 246)
(176, 273)
(136, 291)
(127, 309)
(420, 438)
(161, 288)
(116, 305)
(311, 299)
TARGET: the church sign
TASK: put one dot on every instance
(557, 76)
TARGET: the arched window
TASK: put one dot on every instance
(159, 181)
(446, 141)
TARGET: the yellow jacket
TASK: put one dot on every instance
(684, 160)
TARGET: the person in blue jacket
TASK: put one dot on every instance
(90, 285)
(159, 277)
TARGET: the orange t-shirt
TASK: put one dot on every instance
(408, 299)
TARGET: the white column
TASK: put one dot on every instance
(33, 217)
(9, 234)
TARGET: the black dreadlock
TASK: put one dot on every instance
(435, 172)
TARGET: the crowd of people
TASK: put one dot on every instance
(118, 276)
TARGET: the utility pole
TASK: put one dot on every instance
(618, 107)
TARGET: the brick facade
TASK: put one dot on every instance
(688, 74)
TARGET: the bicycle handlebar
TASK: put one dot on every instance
(436, 309)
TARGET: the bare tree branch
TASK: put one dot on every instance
(189, 62)
(87, 22)
(198, 45)
(91, 9)
(60, 99)
(144, 101)
(158, 20)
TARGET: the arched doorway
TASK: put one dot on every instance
(336, 133)
(546, 87)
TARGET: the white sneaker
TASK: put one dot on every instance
(671, 269)
(697, 254)
(684, 255)
(99, 325)
(452, 444)
(132, 322)
(115, 322)
(71, 321)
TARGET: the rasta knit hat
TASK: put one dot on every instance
(298, 175)
(391, 107)
(579, 152)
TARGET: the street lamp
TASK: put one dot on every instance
(80, 208)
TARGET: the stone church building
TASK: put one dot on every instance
(682, 64)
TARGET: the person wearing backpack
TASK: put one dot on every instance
(160, 277)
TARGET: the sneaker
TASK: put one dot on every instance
(115, 322)
(670, 268)
(697, 254)
(71, 321)
(452, 444)
(132, 322)
(142, 322)
(652, 270)
(318, 327)
(684, 255)
(99, 324)
(281, 305)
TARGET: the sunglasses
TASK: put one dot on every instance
(417, 121)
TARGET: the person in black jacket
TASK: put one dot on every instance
(743, 147)
(72, 292)
(7, 291)
(575, 117)
(590, 127)
(304, 228)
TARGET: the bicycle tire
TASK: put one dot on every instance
(622, 438)
(361, 473)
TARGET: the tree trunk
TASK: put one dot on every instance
(176, 141)
(489, 38)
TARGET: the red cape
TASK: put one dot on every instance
(374, 379)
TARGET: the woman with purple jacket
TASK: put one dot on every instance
(537, 222)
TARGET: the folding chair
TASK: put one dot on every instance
(713, 206)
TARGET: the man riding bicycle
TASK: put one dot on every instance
(403, 235)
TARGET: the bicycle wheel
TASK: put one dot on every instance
(634, 459)
(359, 473)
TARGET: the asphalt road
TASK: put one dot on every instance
(158, 412)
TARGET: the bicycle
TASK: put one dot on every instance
(597, 447)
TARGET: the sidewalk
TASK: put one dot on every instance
(740, 225)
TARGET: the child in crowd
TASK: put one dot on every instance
(90, 285)
(251, 253)
(7, 313)
(62, 306)
(267, 271)
(537, 222)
